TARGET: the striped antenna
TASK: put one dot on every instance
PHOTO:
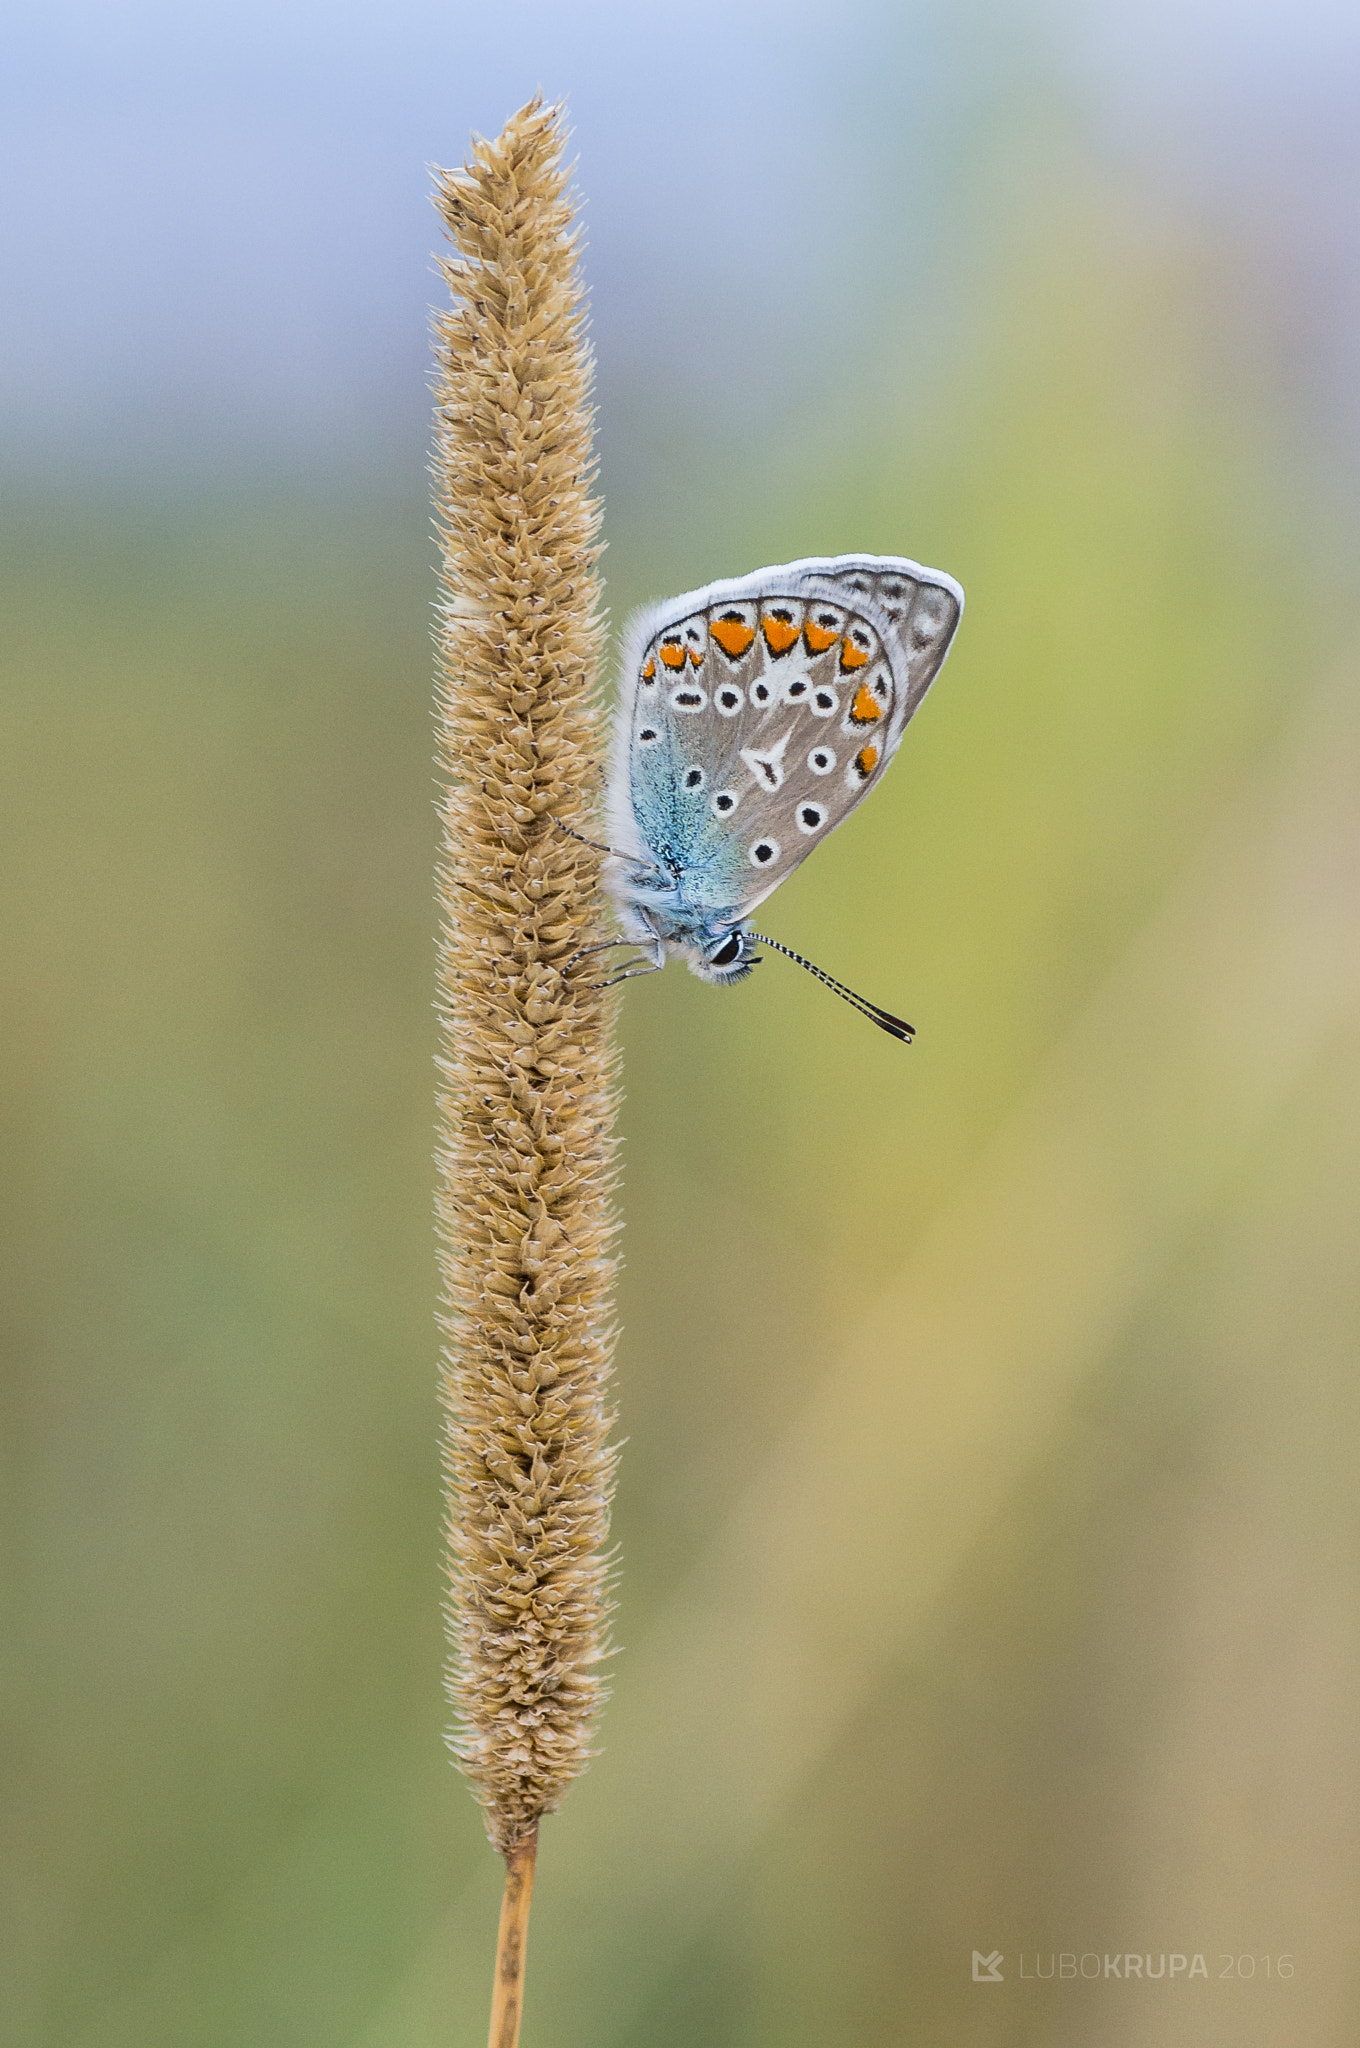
(884, 1019)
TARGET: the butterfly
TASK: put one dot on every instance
(755, 715)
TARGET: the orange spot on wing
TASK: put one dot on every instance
(696, 660)
(818, 638)
(780, 634)
(865, 708)
(649, 668)
(851, 656)
(673, 654)
(866, 760)
(734, 636)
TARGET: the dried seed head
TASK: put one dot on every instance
(527, 1100)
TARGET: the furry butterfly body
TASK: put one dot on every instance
(755, 715)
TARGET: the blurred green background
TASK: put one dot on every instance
(988, 1517)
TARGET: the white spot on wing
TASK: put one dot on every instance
(767, 763)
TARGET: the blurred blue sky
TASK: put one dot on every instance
(215, 231)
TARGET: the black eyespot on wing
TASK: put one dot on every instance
(724, 802)
(694, 778)
(764, 851)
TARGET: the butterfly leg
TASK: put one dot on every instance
(595, 847)
(580, 841)
(644, 871)
(641, 962)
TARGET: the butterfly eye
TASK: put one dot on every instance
(727, 954)
(724, 802)
(821, 760)
(694, 778)
(763, 852)
(811, 817)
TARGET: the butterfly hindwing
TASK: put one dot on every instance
(762, 711)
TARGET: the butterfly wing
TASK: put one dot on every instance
(758, 713)
(921, 609)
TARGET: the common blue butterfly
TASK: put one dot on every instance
(755, 714)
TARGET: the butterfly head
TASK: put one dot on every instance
(725, 956)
